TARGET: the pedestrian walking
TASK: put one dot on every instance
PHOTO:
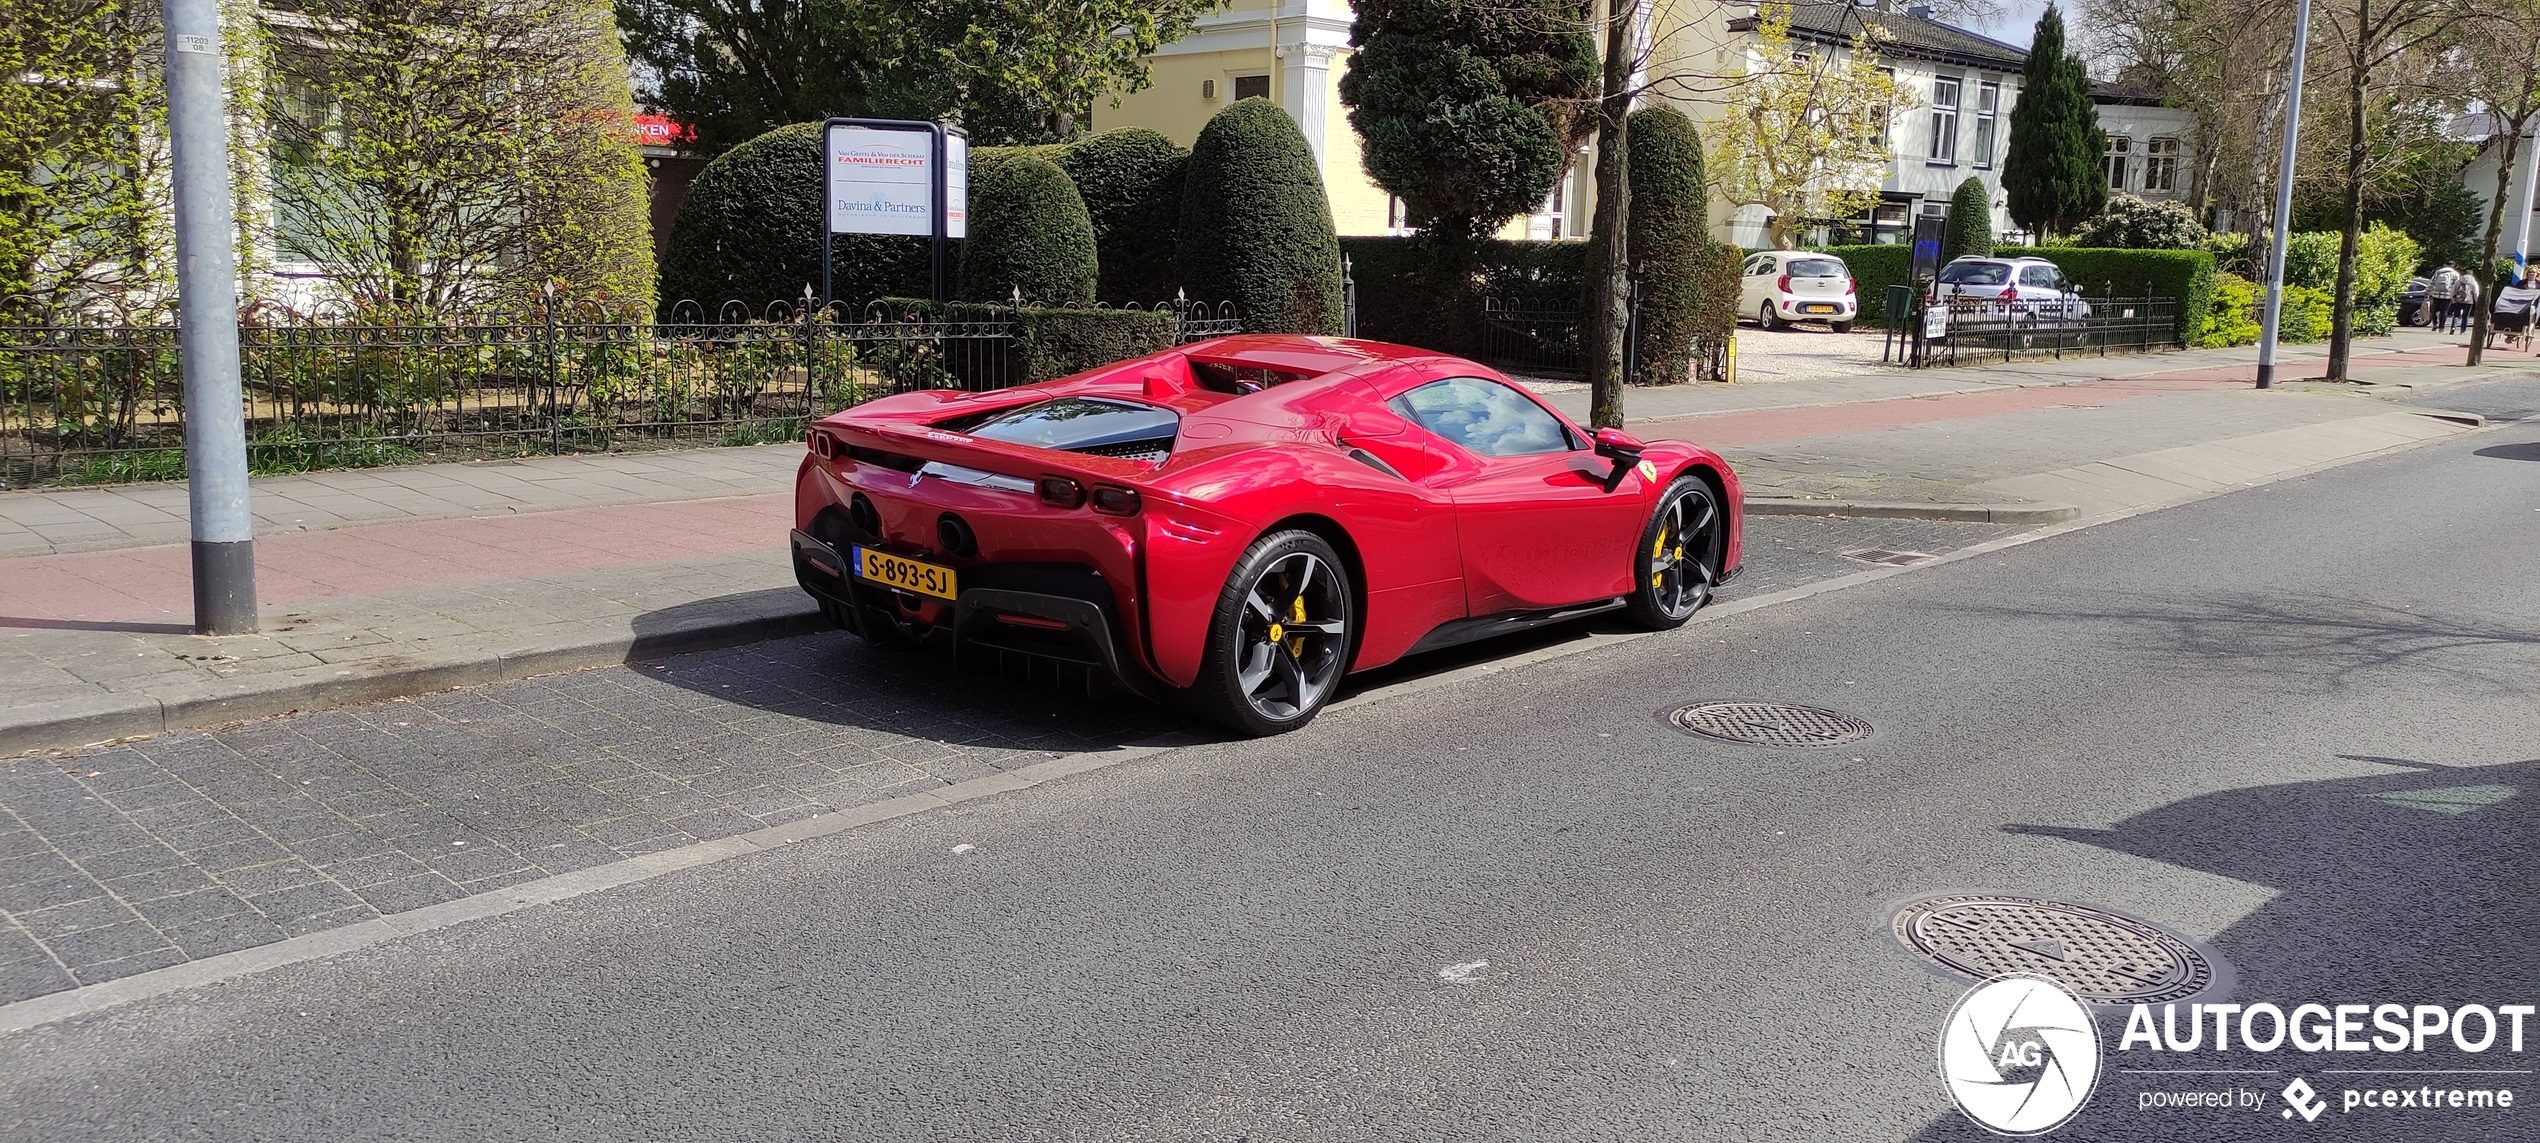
(2465, 302)
(2438, 296)
(2514, 306)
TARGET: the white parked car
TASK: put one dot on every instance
(2028, 287)
(1781, 286)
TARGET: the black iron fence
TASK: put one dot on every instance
(100, 403)
(1973, 329)
(1543, 339)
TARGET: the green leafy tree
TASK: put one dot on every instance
(1469, 112)
(1029, 232)
(451, 154)
(1256, 228)
(76, 87)
(1970, 229)
(2054, 171)
(1670, 238)
(1804, 133)
(1011, 71)
(2131, 223)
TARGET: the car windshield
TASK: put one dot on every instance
(1974, 274)
(1816, 268)
(1485, 416)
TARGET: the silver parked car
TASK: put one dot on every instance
(2027, 288)
(1781, 286)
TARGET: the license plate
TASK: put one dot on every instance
(904, 574)
(1818, 309)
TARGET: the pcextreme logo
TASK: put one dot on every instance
(2020, 1054)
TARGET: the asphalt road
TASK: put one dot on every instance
(1522, 906)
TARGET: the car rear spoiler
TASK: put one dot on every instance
(1008, 458)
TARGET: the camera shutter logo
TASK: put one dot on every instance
(2020, 1054)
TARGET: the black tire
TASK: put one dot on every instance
(1671, 578)
(1771, 318)
(1841, 326)
(1280, 639)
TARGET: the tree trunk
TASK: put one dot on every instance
(2341, 328)
(1609, 286)
(2495, 231)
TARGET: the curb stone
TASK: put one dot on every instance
(2036, 512)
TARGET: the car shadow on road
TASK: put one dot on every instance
(2410, 884)
(792, 663)
(2527, 450)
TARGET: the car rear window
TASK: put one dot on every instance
(1817, 268)
(1974, 274)
(1080, 424)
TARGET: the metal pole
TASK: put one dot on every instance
(224, 530)
(828, 236)
(2269, 323)
(2530, 182)
(940, 240)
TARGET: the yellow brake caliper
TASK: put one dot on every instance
(1296, 614)
(1656, 550)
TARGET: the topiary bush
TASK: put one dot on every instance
(1255, 227)
(1028, 231)
(2130, 223)
(1669, 238)
(1131, 179)
(750, 230)
(1970, 229)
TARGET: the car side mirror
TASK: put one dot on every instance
(1623, 449)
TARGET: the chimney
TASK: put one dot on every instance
(1919, 11)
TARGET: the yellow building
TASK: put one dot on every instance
(1294, 53)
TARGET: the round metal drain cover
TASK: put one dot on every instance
(1770, 723)
(2102, 957)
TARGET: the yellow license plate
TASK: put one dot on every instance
(904, 574)
(1819, 309)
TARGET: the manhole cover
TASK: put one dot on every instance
(2102, 957)
(1770, 723)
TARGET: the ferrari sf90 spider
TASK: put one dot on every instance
(1239, 523)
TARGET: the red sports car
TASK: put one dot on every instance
(1240, 522)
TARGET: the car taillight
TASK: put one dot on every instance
(2011, 293)
(1783, 285)
(822, 445)
(1112, 500)
(1847, 287)
(1060, 492)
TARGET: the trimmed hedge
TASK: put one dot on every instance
(1427, 290)
(1028, 231)
(1669, 236)
(2229, 322)
(2185, 275)
(1256, 228)
(1131, 179)
(1049, 342)
(750, 232)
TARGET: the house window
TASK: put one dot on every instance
(1252, 86)
(2160, 165)
(1944, 121)
(1397, 216)
(1988, 105)
(2120, 152)
(1545, 223)
(1888, 113)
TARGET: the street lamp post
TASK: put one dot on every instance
(207, 318)
(2530, 184)
(2283, 201)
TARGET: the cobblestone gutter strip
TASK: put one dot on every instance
(773, 614)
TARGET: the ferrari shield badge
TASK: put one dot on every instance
(1648, 472)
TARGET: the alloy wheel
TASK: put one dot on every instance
(1291, 640)
(1680, 571)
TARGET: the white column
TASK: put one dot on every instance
(1305, 73)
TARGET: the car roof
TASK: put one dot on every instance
(1799, 254)
(2013, 259)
